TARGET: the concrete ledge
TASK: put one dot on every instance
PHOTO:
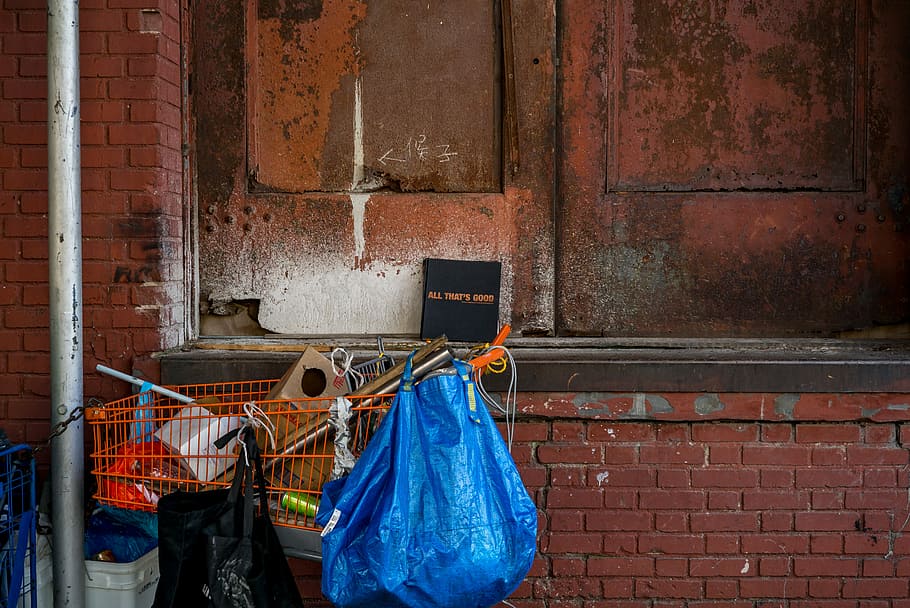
(585, 365)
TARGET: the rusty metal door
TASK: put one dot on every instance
(733, 167)
(338, 143)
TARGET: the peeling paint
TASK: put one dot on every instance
(358, 210)
(708, 404)
(603, 478)
(785, 404)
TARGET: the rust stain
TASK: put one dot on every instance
(302, 53)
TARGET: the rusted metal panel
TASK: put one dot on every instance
(814, 255)
(393, 109)
(367, 96)
(718, 95)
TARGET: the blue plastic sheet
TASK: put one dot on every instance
(434, 514)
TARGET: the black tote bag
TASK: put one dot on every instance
(216, 551)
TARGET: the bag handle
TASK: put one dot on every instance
(247, 474)
(407, 376)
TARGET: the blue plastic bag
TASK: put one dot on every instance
(434, 514)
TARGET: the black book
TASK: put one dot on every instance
(460, 300)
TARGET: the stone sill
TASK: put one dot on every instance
(597, 365)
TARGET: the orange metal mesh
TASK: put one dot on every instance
(148, 445)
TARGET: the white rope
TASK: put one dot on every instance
(510, 407)
(258, 419)
(346, 366)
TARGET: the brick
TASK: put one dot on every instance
(777, 478)
(101, 20)
(875, 587)
(623, 477)
(620, 499)
(828, 478)
(824, 587)
(561, 476)
(715, 522)
(878, 455)
(36, 342)
(133, 43)
(28, 363)
(904, 434)
(617, 521)
(568, 431)
(34, 157)
(719, 501)
(721, 589)
(717, 567)
(620, 455)
(673, 500)
(569, 454)
(676, 454)
(557, 543)
(719, 544)
(26, 179)
(672, 544)
(826, 543)
(36, 295)
(825, 566)
(879, 478)
(26, 272)
(878, 567)
(620, 566)
(669, 432)
(134, 134)
(822, 521)
(776, 522)
(761, 500)
(777, 433)
(621, 432)
(102, 156)
(571, 566)
(576, 498)
(724, 478)
(723, 432)
(562, 520)
(31, 66)
(667, 588)
(725, 454)
(101, 66)
(784, 587)
(25, 44)
(671, 567)
(777, 455)
(775, 543)
(826, 456)
(774, 566)
(879, 433)
(672, 478)
(827, 500)
(874, 499)
(671, 522)
(619, 542)
(102, 111)
(828, 433)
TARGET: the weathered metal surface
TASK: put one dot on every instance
(723, 95)
(365, 96)
(347, 141)
(798, 228)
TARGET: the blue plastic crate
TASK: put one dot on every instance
(18, 527)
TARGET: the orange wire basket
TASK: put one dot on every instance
(148, 445)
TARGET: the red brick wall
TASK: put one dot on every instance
(645, 500)
(133, 207)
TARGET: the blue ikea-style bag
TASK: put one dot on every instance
(434, 514)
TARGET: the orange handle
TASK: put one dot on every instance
(488, 357)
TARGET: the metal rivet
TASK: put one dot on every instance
(209, 228)
(861, 208)
(267, 217)
(211, 209)
(841, 217)
(248, 210)
(229, 219)
(860, 227)
(247, 228)
(880, 217)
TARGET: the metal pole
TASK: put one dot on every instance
(65, 280)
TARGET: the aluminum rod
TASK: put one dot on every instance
(139, 382)
(65, 303)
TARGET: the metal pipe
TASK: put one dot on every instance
(65, 281)
(139, 382)
(431, 362)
